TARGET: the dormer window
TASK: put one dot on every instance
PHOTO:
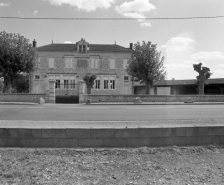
(82, 46)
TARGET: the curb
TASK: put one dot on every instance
(18, 103)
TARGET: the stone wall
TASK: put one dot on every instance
(112, 137)
(154, 98)
(33, 98)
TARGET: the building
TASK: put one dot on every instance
(214, 86)
(68, 63)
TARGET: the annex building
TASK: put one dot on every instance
(214, 86)
(68, 63)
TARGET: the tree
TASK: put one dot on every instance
(89, 80)
(16, 56)
(146, 64)
(204, 74)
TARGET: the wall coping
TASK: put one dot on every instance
(21, 94)
(143, 95)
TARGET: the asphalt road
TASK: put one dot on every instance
(76, 112)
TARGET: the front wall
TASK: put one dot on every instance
(155, 98)
(41, 68)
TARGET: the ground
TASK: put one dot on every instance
(125, 166)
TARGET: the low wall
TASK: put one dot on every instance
(154, 98)
(23, 97)
(111, 137)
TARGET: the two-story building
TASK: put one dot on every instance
(68, 63)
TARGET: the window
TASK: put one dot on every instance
(51, 63)
(125, 63)
(126, 78)
(106, 81)
(155, 90)
(84, 48)
(37, 77)
(109, 82)
(112, 63)
(57, 84)
(68, 62)
(65, 84)
(112, 84)
(72, 84)
(97, 83)
(94, 63)
(80, 48)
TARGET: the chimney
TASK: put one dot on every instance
(34, 44)
(131, 45)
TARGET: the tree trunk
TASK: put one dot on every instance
(88, 90)
(147, 86)
(201, 85)
(8, 85)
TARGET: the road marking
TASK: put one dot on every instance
(35, 107)
(84, 108)
(208, 107)
(150, 108)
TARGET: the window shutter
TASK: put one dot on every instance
(51, 62)
(66, 62)
(71, 63)
(96, 63)
(125, 63)
(92, 63)
(112, 63)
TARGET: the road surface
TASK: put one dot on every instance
(80, 112)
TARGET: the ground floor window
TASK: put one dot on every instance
(57, 84)
(97, 84)
(106, 83)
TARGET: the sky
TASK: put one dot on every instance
(183, 42)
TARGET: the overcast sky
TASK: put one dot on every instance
(182, 42)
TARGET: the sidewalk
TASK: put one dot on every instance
(124, 103)
(18, 103)
(159, 103)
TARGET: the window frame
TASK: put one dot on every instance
(69, 63)
(35, 77)
(126, 80)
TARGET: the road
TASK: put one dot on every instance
(76, 112)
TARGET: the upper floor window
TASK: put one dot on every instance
(112, 63)
(68, 62)
(94, 63)
(82, 48)
(125, 63)
(51, 63)
(126, 78)
(37, 77)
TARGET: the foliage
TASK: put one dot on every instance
(89, 80)
(204, 74)
(16, 56)
(146, 64)
(21, 87)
